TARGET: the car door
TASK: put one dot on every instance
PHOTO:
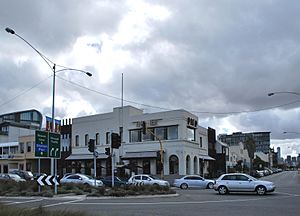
(244, 183)
(195, 181)
(230, 182)
(137, 180)
(146, 180)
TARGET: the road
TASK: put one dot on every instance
(284, 201)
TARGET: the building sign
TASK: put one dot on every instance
(150, 123)
(192, 122)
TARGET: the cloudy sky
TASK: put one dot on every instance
(216, 59)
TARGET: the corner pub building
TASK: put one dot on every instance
(184, 143)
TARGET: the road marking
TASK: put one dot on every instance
(60, 203)
(28, 201)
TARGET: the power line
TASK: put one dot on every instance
(25, 91)
(168, 109)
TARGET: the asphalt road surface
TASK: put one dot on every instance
(284, 201)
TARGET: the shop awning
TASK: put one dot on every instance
(85, 156)
(145, 154)
(206, 157)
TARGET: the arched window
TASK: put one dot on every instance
(187, 165)
(174, 164)
(195, 165)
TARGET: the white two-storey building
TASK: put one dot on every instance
(183, 143)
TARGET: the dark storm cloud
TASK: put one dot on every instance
(207, 56)
(55, 25)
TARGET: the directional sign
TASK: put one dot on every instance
(54, 145)
(47, 180)
(41, 144)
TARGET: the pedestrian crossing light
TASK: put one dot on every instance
(115, 140)
(91, 145)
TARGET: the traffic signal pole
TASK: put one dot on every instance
(112, 169)
(145, 130)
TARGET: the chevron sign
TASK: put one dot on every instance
(47, 180)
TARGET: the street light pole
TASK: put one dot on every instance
(53, 68)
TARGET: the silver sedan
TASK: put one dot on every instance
(240, 182)
(193, 181)
(81, 179)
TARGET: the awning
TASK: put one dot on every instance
(206, 157)
(9, 144)
(85, 156)
(145, 154)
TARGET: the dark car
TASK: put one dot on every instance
(27, 175)
(107, 181)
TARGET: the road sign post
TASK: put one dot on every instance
(54, 145)
(41, 144)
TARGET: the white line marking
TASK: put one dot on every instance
(28, 201)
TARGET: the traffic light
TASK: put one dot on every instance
(91, 145)
(115, 140)
(144, 127)
(107, 151)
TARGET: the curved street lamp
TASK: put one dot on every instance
(285, 132)
(283, 92)
(52, 66)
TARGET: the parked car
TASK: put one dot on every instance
(9, 176)
(144, 179)
(78, 178)
(240, 182)
(193, 181)
(27, 175)
(107, 181)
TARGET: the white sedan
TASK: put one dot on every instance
(144, 179)
(193, 181)
(81, 179)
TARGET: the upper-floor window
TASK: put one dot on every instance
(107, 137)
(28, 146)
(97, 139)
(135, 135)
(77, 140)
(200, 142)
(161, 133)
(191, 134)
(21, 145)
(173, 133)
(86, 139)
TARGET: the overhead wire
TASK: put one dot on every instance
(168, 109)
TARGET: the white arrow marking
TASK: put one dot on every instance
(48, 180)
(40, 181)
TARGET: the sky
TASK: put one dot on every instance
(217, 59)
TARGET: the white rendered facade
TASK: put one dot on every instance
(184, 143)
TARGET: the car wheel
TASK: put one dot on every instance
(222, 190)
(260, 190)
(210, 185)
(184, 186)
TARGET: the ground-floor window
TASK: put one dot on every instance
(146, 166)
(174, 164)
(187, 165)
